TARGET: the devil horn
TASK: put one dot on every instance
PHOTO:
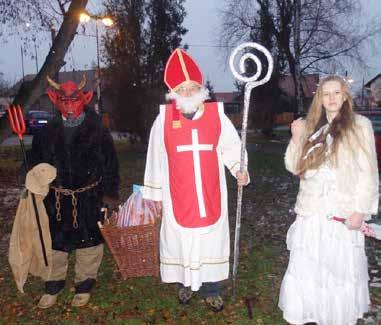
(52, 83)
(82, 83)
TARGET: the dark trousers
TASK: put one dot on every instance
(208, 289)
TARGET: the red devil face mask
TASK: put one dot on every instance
(68, 97)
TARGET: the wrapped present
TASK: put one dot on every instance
(132, 236)
(137, 211)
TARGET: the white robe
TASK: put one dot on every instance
(191, 256)
(326, 281)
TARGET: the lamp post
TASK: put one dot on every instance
(348, 79)
(85, 17)
(27, 25)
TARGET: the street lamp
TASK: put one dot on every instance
(27, 25)
(107, 21)
(348, 79)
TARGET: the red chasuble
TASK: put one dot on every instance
(194, 178)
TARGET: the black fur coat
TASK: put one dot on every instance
(89, 156)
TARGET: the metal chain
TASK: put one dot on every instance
(74, 200)
(58, 205)
(75, 212)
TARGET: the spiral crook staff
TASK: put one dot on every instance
(251, 83)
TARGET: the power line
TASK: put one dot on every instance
(72, 61)
(205, 45)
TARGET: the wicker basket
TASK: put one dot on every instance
(135, 249)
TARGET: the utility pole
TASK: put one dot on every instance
(22, 63)
(108, 22)
(35, 55)
(362, 94)
(298, 76)
(53, 33)
(98, 73)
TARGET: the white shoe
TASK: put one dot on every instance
(47, 301)
(80, 299)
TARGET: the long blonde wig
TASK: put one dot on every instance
(340, 129)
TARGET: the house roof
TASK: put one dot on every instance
(369, 83)
(4, 100)
(64, 76)
(309, 84)
(286, 83)
(226, 97)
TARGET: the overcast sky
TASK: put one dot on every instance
(202, 23)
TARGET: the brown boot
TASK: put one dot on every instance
(80, 299)
(47, 301)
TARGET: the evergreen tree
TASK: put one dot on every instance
(164, 34)
(148, 31)
(212, 94)
(124, 50)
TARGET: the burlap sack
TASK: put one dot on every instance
(25, 250)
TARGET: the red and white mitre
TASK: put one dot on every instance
(181, 68)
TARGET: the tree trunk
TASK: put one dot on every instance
(26, 96)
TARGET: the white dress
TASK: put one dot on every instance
(326, 281)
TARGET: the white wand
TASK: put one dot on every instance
(251, 83)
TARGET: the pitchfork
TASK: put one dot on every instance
(16, 120)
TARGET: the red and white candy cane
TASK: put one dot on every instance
(365, 228)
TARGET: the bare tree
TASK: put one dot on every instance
(332, 33)
(4, 85)
(12, 11)
(31, 20)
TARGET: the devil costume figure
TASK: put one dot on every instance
(82, 151)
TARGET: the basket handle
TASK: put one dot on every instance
(106, 218)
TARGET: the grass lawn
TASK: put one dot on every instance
(147, 301)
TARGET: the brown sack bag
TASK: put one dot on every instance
(25, 251)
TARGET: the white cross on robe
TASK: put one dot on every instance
(196, 147)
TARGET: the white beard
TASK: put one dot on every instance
(188, 105)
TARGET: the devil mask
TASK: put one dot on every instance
(68, 97)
